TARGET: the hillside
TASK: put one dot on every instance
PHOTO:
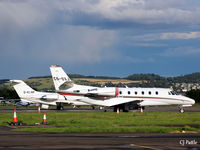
(189, 78)
(45, 83)
(135, 80)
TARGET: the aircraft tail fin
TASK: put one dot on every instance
(22, 89)
(60, 78)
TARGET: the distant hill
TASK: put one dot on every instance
(3, 81)
(189, 78)
(135, 80)
(79, 76)
(147, 77)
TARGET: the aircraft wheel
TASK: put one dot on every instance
(60, 106)
(182, 110)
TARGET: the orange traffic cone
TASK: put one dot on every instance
(39, 109)
(118, 111)
(44, 119)
(15, 116)
(141, 110)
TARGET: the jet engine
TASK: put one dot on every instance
(107, 92)
(50, 97)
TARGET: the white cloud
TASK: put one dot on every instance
(33, 13)
(83, 44)
(86, 29)
(136, 60)
(64, 44)
(176, 35)
(181, 51)
(141, 11)
(23, 14)
(149, 44)
(167, 36)
(40, 30)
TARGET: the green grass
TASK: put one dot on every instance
(46, 83)
(141, 129)
(162, 122)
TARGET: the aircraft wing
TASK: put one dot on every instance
(109, 102)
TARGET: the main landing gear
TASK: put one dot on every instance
(59, 106)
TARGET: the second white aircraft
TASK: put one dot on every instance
(124, 99)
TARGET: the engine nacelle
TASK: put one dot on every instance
(110, 91)
(50, 97)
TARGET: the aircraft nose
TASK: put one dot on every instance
(192, 101)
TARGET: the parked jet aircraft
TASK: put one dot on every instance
(29, 96)
(119, 98)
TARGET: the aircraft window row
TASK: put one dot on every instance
(129, 92)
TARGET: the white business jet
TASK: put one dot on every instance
(123, 99)
(29, 96)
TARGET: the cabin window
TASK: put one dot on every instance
(135, 92)
(169, 93)
(129, 92)
(149, 92)
(142, 92)
(76, 91)
(156, 92)
(120, 92)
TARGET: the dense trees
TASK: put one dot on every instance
(194, 94)
(8, 93)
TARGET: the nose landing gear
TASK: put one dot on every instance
(181, 110)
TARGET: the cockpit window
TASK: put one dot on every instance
(173, 93)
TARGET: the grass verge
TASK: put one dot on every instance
(161, 122)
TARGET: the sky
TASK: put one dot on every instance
(99, 37)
